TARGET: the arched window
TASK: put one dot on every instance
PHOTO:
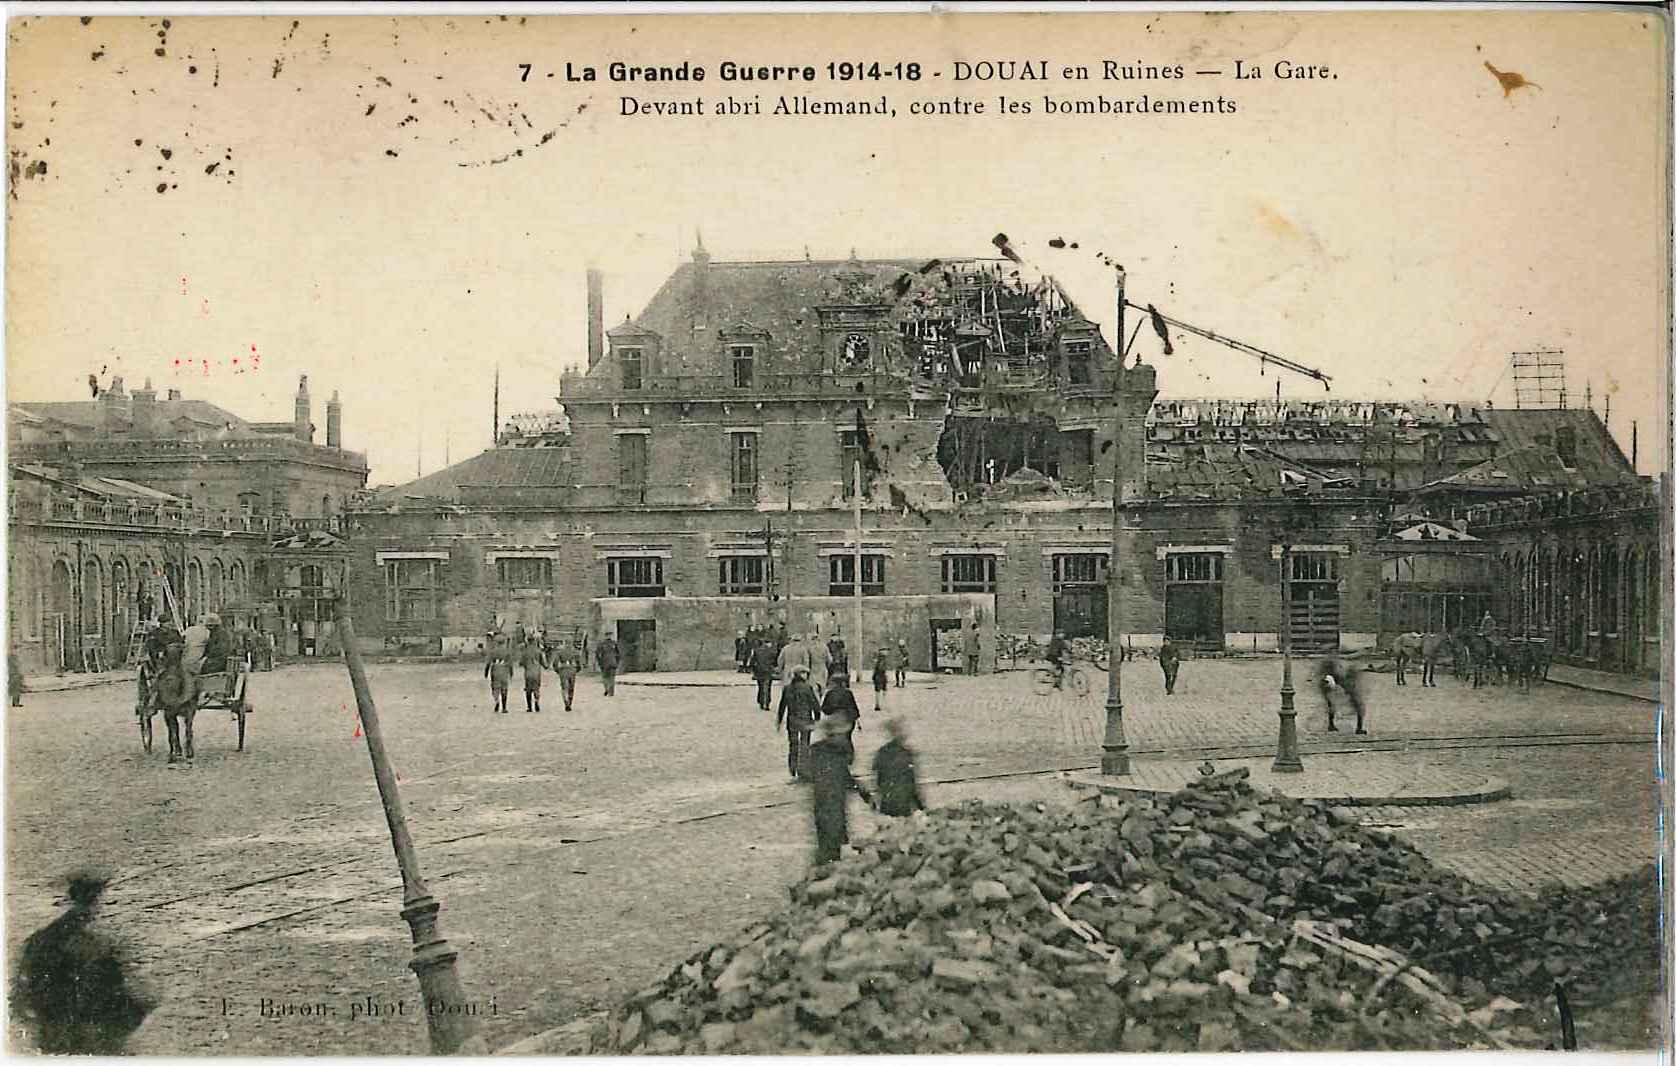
(236, 591)
(194, 591)
(216, 586)
(92, 598)
(1608, 597)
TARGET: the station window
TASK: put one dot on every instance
(744, 365)
(630, 361)
(634, 577)
(968, 573)
(410, 589)
(743, 575)
(842, 570)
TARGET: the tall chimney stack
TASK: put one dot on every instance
(596, 317)
(302, 426)
(334, 422)
(144, 411)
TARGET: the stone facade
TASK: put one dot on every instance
(1583, 570)
(110, 499)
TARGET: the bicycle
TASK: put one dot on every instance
(1074, 680)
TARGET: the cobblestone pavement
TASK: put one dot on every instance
(578, 856)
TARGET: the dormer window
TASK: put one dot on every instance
(1565, 442)
(744, 359)
(1076, 360)
(630, 361)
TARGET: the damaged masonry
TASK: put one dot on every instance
(698, 481)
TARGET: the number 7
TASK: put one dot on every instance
(525, 67)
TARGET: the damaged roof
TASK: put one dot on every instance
(1536, 468)
(88, 416)
(705, 299)
(509, 468)
(105, 487)
(1243, 470)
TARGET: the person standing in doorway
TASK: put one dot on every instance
(567, 663)
(971, 643)
(1169, 659)
(741, 652)
(764, 661)
(881, 680)
(799, 709)
(610, 657)
(902, 663)
(534, 661)
(498, 669)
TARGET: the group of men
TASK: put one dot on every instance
(528, 651)
(768, 653)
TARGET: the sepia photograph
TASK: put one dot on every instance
(1030, 532)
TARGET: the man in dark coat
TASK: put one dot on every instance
(71, 988)
(799, 709)
(839, 702)
(741, 652)
(14, 678)
(1169, 658)
(895, 774)
(838, 659)
(829, 759)
(610, 657)
(764, 661)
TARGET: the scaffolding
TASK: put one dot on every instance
(1539, 379)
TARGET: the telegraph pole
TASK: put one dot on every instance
(1114, 758)
(858, 559)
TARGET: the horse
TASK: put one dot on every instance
(177, 691)
(1427, 647)
(1461, 649)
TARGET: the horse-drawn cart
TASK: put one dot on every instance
(227, 691)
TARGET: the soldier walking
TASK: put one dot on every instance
(764, 661)
(895, 774)
(609, 657)
(799, 709)
(534, 660)
(1169, 658)
(498, 669)
(901, 663)
(567, 662)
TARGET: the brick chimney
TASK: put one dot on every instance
(302, 427)
(143, 410)
(113, 407)
(596, 317)
(334, 421)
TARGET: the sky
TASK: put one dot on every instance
(388, 206)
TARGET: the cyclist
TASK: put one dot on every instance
(1056, 655)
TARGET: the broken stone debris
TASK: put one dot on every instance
(1218, 918)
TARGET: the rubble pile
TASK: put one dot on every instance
(1214, 919)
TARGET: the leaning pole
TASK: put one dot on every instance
(447, 1014)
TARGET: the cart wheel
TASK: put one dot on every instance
(145, 732)
(240, 712)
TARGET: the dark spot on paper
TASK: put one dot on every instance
(211, 168)
(391, 152)
(165, 23)
(1510, 80)
(100, 54)
(162, 186)
(1057, 242)
(85, 19)
(159, 52)
(36, 169)
(279, 65)
(545, 137)
(167, 152)
(192, 70)
(382, 80)
(369, 109)
(292, 31)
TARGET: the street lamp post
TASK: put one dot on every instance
(447, 1013)
(1114, 756)
(1286, 759)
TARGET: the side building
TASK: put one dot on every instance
(127, 508)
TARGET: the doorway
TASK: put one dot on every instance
(946, 644)
(639, 641)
